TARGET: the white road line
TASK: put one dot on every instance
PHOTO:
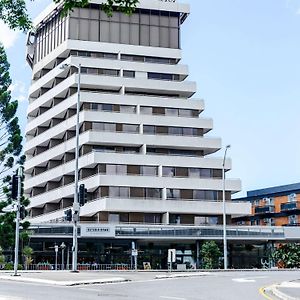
(172, 298)
(248, 279)
(10, 298)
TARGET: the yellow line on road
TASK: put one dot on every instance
(262, 292)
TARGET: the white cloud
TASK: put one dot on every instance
(8, 37)
(18, 90)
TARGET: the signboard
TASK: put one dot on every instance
(134, 252)
(97, 230)
(171, 255)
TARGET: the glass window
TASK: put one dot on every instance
(185, 113)
(168, 171)
(147, 110)
(173, 194)
(171, 112)
(205, 173)
(130, 128)
(152, 193)
(127, 109)
(149, 129)
(111, 169)
(109, 127)
(175, 130)
(194, 172)
(129, 74)
(107, 107)
(124, 192)
(199, 194)
(149, 170)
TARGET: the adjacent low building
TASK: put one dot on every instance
(275, 206)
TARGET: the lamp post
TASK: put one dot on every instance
(224, 212)
(76, 206)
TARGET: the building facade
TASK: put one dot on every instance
(275, 206)
(145, 154)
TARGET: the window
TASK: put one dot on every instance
(116, 169)
(194, 172)
(205, 173)
(104, 126)
(168, 171)
(171, 112)
(175, 130)
(173, 194)
(149, 129)
(129, 128)
(292, 197)
(199, 195)
(146, 110)
(149, 171)
(118, 192)
(152, 193)
(130, 109)
(107, 107)
(129, 74)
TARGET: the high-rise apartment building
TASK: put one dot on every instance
(145, 157)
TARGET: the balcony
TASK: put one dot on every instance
(289, 206)
(267, 209)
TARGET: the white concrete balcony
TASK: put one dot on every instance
(94, 158)
(98, 180)
(126, 158)
(152, 206)
(89, 62)
(116, 117)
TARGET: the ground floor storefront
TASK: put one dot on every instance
(118, 254)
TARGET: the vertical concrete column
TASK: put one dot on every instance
(141, 128)
(119, 55)
(144, 149)
(166, 218)
(160, 171)
(164, 194)
(122, 91)
(121, 72)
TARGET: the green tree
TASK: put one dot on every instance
(210, 253)
(27, 252)
(287, 256)
(14, 12)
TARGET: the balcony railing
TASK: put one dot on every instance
(265, 209)
(290, 206)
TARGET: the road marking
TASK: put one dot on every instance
(172, 298)
(248, 279)
(10, 298)
(262, 292)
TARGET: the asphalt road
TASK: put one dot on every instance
(217, 286)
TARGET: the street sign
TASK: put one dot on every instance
(56, 248)
(134, 252)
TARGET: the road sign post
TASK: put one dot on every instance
(171, 258)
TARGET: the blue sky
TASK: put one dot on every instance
(244, 56)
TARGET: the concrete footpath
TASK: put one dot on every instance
(289, 290)
(67, 278)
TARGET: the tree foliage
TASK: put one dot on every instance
(287, 256)
(10, 151)
(210, 253)
(14, 12)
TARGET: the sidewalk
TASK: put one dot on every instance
(67, 278)
(289, 290)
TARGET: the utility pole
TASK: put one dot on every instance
(20, 175)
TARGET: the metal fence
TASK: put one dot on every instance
(81, 267)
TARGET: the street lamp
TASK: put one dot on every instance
(224, 211)
(76, 206)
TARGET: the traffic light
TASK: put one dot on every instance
(68, 215)
(23, 212)
(14, 187)
(82, 195)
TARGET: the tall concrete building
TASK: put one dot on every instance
(145, 157)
